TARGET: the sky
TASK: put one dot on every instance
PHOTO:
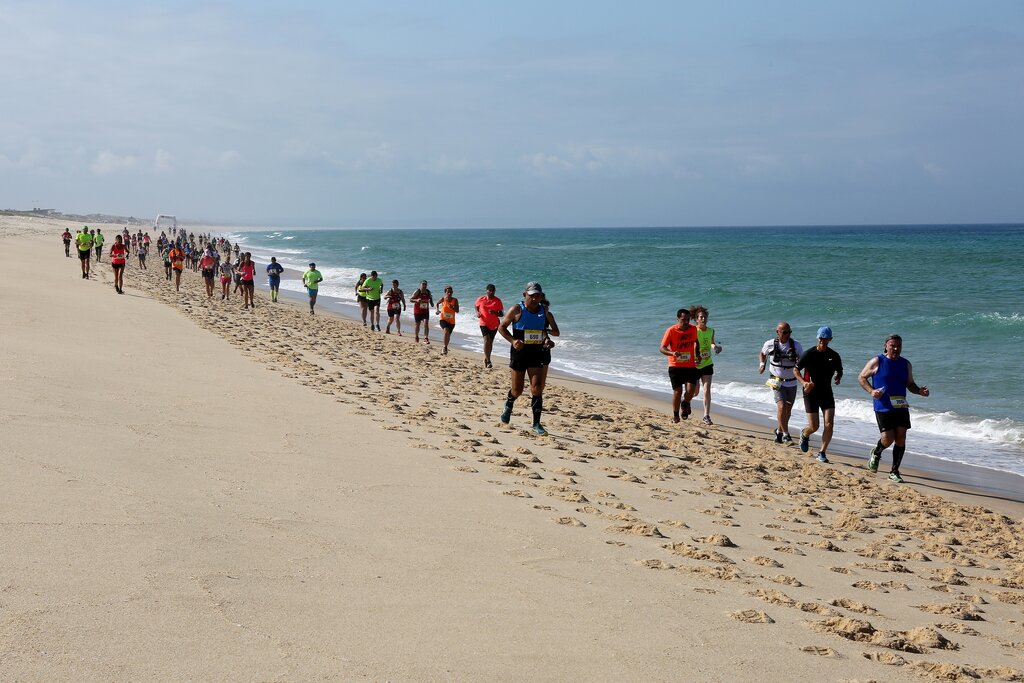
(501, 114)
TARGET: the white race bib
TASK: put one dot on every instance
(774, 383)
(899, 402)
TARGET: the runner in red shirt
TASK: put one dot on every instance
(248, 271)
(207, 265)
(679, 343)
(118, 258)
(491, 311)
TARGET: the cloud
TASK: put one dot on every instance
(380, 157)
(163, 161)
(934, 170)
(545, 165)
(445, 165)
(107, 162)
(229, 158)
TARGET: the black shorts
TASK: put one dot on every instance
(421, 316)
(681, 376)
(445, 325)
(706, 371)
(238, 279)
(360, 299)
(373, 303)
(819, 400)
(117, 266)
(208, 273)
(248, 284)
(488, 332)
(530, 357)
(84, 255)
(891, 419)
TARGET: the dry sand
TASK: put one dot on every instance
(322, 502)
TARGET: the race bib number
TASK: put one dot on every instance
(899, 401)
(704, 355)
(533, 336)
(682, 357)
(774, 383)
(448, 317)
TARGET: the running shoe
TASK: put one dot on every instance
(787, 439)
(707, 420)
(895, 476)
(805, 443)
(539, 430)
(873, 461)
(506, 414)
(823, 458)
(686, 409)
(778, 436)
(487, 364)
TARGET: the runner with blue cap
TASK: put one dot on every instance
(817, 370)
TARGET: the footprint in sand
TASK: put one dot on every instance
(752, 616)
(568, 521)
(636, 529)
(765, 561)
(695, 553)
(820, 651)
(655, 564)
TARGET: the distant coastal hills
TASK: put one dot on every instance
(81, 218)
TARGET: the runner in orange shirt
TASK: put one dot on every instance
(177, 258)
(447, 307)
(679, 343)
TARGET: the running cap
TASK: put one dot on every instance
(825, 332)
(533, 288)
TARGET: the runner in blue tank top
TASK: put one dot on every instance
(532, 324)
(888, 377)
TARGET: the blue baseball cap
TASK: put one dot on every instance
(825, 332)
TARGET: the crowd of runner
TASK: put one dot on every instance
(529, 326)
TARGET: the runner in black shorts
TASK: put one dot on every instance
(360, 299)
(816, 371)
(888, 377)
(531, 323)
(422, 301)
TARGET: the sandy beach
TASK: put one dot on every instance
(197, 492)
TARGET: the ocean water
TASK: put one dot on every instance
(955, 294)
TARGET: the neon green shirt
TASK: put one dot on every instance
(84, 241)
(312, 278)
(704, 347)
(372, 288)
(98, 240)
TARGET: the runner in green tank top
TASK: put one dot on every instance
(705, 362)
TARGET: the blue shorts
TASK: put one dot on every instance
(311, 292)
(274, 281)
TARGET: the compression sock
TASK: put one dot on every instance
(537, 406)
(897, 457)
(879, 448)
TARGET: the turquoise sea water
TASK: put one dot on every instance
(955, 294)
